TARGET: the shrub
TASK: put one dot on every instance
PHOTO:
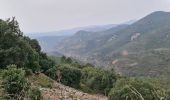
(41, 80)
(28, 72)
(35, 94)
(128, 89)
(70, 76)
(100, 81)
(15, 83)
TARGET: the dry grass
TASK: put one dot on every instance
(41, 80)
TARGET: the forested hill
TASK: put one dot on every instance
(50, 40)
(20, 50)
(22, 65)
(146, 42)
(26, 73)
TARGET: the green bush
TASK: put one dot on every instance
(128, 89)
(35, 94)
(14, 82)
(100, 81)
(20, 50)
(28, 72)
(70, 76)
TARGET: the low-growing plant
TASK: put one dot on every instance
(128, 89)
(35, 94)
(14, 82)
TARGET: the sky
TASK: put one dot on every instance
(53, 15)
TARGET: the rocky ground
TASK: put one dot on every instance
(61, 92)
(57, 91)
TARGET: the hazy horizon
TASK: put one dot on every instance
(54, 15)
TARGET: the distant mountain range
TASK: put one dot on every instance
(135, 48)
(68, 32)
(141, 48)
(49, 40)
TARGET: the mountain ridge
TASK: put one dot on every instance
(144, 36)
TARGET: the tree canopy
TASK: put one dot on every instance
(15, 48)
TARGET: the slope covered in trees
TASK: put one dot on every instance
(20, 50)
(22, 62)
(26, 58)
(145, 42)
(107, 82)
(19, 57)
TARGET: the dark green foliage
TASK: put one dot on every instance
(28, 72)
(102, 48)
(46, 64)
(85, 77)
(98, 80)
(69, 60)
(70, 76)
(63, 59)
(35, 94)
(14, 49)
(26, 54)
(70, 71)
(35, 45)
(66, 60)
(52, 72)
(20, 50)
(14, 82)
(128, 89)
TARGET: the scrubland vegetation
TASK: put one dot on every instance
(21, 61)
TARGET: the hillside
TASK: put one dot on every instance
(26, 73)
(59, 91)
(84, 42)
(49, 43)
(24, 69)
(52, 90)
(49, 40)
(143, 41)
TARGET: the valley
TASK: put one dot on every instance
(146, 41)
(103, 62)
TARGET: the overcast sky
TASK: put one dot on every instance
(51, 15)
